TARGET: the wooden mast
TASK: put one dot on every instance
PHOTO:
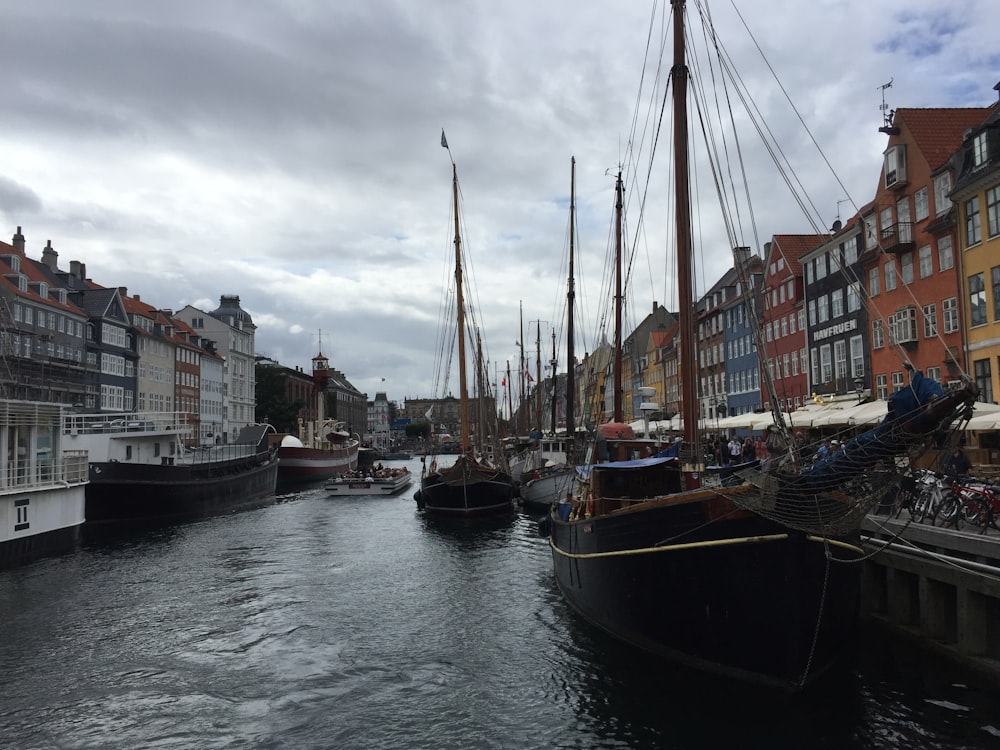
(460, 302)
(538, 375)
(570, 300)
(682, 209)
(617, 396)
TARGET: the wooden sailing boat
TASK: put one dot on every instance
(472, 485)
(758, 581)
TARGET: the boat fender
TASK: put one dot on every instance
(419, 497)
(544, 526)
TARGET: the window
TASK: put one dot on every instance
(993, 211)
(873, 286)
(826, 365)
(906, 324)
(981, 372)
(995, 277)
(980, 155)
(905, 228)
(871, 237)
(836, 303)
(930, 321)
(926, 261)
(942, 186)
(881, 387)
(850, 252)
(812, 312)
(854, 296)
(946, 259)
(934, 373)
(897, 381)
(921, 209)
(973, 232)
(815, 368)
(906, 267)
(977, 300)
(949, 309)
(840, 359)
(809, 273)
(895, 165)
(823, 309)
(878, 334)
(890, 276)
(821, 266)
(791, 321)
(857, 357)
(885, 222)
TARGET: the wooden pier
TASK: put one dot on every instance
(940, 586)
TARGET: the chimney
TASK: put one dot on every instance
(123, 291)
(136, 298)
(18, 241)
(742, 256)
(74, 269)
(50, 257)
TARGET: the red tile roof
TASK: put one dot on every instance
(938, 132)
(791, 247)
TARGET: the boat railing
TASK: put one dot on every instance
(207, 454)
(76, 424)
(41, 471)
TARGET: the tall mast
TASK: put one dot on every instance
(555, 382)
(688, 355)
(538, 375)
(522, 405)
(460, 302)
(617, 397)
(570, 298)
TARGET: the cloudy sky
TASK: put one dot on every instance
(288, 151)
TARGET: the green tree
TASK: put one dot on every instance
(418, 429)
(273, 405)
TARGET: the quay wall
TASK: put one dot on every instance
(938, 586)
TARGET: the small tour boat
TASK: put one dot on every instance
(376, 481)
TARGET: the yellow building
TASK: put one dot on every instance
(977, 199)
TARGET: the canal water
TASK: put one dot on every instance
(357, 623)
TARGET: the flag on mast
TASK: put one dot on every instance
(444, 141)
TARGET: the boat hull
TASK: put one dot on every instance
(39, 522)
(550, 486)
(466, 490)
(303, 466)
(138, 493)
(746, 597)
(368, 487)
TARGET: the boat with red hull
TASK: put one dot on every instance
(323, 449)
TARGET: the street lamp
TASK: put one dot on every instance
(859, 387)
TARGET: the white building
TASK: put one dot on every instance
(233, 331)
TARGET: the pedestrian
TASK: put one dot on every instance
(735, 450)
(748, 449)
(956, 464)
(759, 448)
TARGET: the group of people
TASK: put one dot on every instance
(736, 450)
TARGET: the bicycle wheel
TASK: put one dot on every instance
(950, 512)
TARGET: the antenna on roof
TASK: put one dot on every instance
(887, 114)
(842, 200)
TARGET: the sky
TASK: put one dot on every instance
(289, 152)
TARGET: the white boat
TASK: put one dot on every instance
(42, 486)
(385, 481)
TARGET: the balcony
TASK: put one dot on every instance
(898, 238)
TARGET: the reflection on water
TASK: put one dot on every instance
(325, 622)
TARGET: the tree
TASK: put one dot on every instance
(273, 405)
(421, 428)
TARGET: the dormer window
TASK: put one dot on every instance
(895, 166)
(980, 152)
